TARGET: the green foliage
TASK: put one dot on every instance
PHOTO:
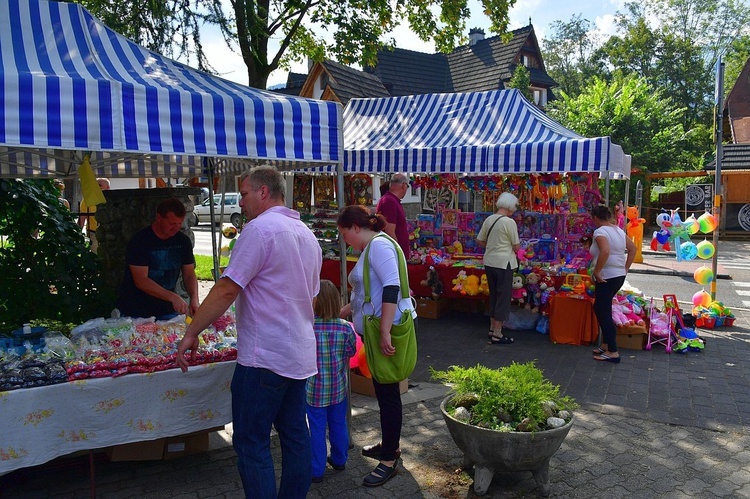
(46, 269)
(519, 390)
(570, 54)
(204, 266)
(639, 118)
(522, 81)
(358, 29)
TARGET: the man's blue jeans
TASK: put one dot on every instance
(261, 398)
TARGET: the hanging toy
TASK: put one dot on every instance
(703, 275)
(688, 250)
(692, 225)
(706, 249)
(707, 223)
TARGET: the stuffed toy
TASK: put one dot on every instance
(617, 315)
(627, 309)
(471, 286)
(433, 282)
(458, 282)
(518, 295)
(534, 291)
(484, 286)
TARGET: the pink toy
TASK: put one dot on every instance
(617, 316)
(627, 309)
(518, 295)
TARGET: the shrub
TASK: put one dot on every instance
(500, 399)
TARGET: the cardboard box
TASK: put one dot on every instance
(186, 445)
(364, 386)
(430, 308)
(150, 450)
(631, 341)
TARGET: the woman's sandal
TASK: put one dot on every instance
(501, 340)
(599, 350)
(607, 358)
(380, 475)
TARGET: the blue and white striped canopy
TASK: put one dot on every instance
(474, 133)
(71, 86)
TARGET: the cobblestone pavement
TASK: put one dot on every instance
(655, 425)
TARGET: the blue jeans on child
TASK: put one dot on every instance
(333, 416)
(261, 398)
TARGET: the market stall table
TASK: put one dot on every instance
(572, 320)
(40, 424)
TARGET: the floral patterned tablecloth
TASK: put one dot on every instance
(40, 424)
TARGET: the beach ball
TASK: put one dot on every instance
(692, 225)
(362, 359)
(701, 299)
(705, 249)
(703, 275)
(707, 223)
(688, 250)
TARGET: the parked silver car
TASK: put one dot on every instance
(232, 211)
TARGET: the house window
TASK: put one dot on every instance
(539, 96)
(525, 60)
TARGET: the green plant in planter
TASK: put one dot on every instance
(513, 398)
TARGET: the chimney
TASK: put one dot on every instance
(475, 35)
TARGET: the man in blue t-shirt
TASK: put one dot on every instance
(154, 259)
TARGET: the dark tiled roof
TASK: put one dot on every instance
(349, 83)
(470, 68)
(735, 157)
(296, 79)
(484, 65)
(406, 72)
(287, 90)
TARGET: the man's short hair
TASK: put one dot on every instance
(171, 205)
(399, 178)
(268, 176)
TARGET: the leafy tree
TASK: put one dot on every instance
(521, 80)
(358, 29)
(570, 54)
(674, 44)
(46, 270)
(645, 122)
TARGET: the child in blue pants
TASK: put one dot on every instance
(327, 391)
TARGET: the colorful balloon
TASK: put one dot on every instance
(692, 224)
(705, 249)
(688, 250)
(701, 299)
(703, 276)
(707, 223)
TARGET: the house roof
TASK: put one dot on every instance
(470, 68)
(737, 107)
(735, 157)
(349, 83)
(407, 72)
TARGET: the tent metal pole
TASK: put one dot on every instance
(342, 244)
(606, 189)
(209, 166)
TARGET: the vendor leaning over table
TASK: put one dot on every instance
(274, 276)
(154, 259)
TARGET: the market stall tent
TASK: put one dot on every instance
(70, 86)
(495, 132)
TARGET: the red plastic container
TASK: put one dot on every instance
(729, 321)
(709, 322)
(699, 321)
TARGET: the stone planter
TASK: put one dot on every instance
(490, 451)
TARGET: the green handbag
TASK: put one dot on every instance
(397, 367)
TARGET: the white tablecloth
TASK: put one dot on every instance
(40, 424)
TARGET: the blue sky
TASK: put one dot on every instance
(542, 13)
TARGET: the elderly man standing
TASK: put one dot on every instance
(390, 207)
(274, 275)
